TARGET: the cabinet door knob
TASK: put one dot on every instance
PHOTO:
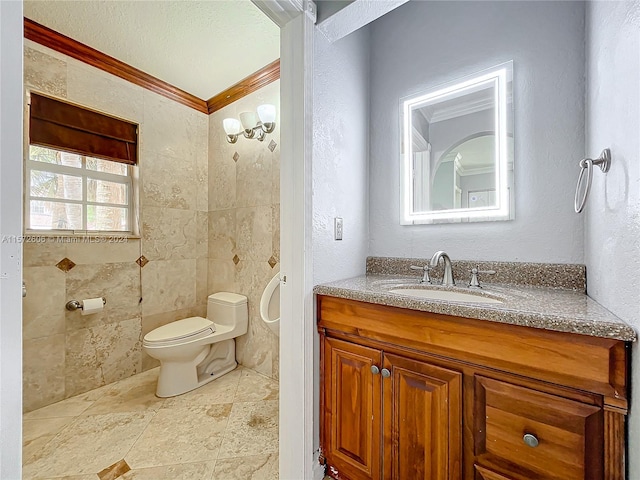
(385, 373)
(375, 370)
(530, 440)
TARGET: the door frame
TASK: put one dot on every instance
(11, 123)
(297, 457)
(296, 19)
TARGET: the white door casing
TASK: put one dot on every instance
(10, 246)
(298, 461)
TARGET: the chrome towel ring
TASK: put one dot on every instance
(586, 171)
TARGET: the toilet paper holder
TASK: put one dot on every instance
(73, 305)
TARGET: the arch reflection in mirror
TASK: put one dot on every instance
(458, 152)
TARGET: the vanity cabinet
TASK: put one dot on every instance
(389, 415)
(353, 406)
(409, 395)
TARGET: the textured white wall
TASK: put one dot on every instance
(613, 211)
(340, 155)
(424, 44)
(340, 159)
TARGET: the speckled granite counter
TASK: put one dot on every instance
(545, 308)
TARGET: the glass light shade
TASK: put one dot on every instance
(249, 120)
(267, 113)
(231, 126)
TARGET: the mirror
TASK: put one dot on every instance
(457, 151)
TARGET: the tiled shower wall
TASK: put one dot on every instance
(244, 222)
(66, 353)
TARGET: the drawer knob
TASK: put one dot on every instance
(530, 440)
(385, 373)
(375, 370)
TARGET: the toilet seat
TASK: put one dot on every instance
(185, 330)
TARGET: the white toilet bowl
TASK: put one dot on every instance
(196, 350)
(270, 305)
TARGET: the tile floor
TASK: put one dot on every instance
(226, 430)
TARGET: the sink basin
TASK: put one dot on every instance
(444, 295)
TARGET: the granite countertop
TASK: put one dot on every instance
(561, 310)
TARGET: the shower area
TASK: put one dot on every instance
(208, 214)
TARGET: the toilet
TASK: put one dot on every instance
(270, 305)
(196, 350)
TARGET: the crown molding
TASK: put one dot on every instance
(68, 46)
(61, 43)
(263, 77)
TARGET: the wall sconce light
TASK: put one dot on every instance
(251, 125)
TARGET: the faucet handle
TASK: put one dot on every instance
(425, 276)
(473, 282)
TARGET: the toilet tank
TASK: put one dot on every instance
(230, 309)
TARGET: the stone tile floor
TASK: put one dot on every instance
(226, 430)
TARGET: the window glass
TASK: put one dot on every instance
(107, 218)
(55, 216)
(103, 191)
(72, 192)
(55, 185)
(106, 166)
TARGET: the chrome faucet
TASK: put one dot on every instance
(447, 278)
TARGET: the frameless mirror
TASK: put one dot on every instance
(457, 151)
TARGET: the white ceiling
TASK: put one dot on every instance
(202, 47)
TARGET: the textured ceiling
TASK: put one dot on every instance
(202, 47)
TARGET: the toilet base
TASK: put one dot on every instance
(212, 362)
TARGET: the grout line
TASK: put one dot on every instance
(153, 416)
(226, 427)
(91, 403)
(235, 392)
(213, 468)
(261, 374)
(71, 422)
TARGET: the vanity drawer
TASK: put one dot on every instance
(484, 474)
(535, 434)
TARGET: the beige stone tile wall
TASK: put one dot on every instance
(65, 353)
(244, 223)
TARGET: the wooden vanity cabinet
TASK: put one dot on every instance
(409, 395)
(353, 402)
(387, 416)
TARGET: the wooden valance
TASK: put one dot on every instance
(72, 128)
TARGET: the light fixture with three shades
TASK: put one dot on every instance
(251, 125)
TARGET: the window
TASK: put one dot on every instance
(79, 174)
(67, 191)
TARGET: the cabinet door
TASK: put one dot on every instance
(535, 434)
(422, 421)
(352, 410)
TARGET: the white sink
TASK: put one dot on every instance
(444, 295)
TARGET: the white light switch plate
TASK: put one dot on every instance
(337, 228)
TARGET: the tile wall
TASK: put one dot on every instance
(65, 353)
(244, 222)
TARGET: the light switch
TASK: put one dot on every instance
(338, 228)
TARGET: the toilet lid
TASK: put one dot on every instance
(192, 328)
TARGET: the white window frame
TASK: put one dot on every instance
(86, 174)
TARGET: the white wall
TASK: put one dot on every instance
(340, 155)
(424, 44)
(613, 211)
(10, 253)
(340, 164)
